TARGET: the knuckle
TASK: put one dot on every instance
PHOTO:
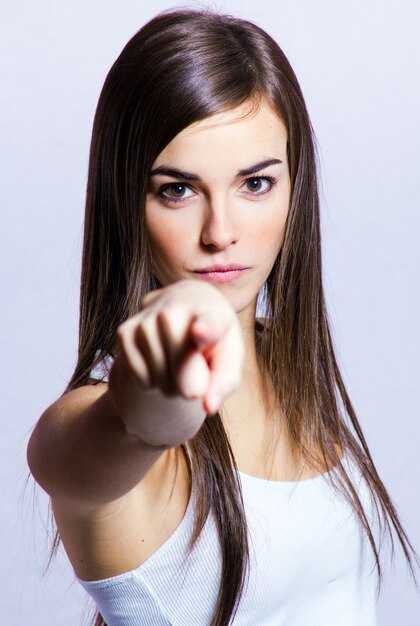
(150, 297)
(177, 316)
(144, 326)
(122, 329)
(168, 312)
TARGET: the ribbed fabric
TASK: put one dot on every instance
(310, 564)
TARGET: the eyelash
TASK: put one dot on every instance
(167, 200)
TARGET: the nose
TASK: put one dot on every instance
(219, 229)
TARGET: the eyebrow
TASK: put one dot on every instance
(175, 173)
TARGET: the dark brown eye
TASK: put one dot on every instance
(178, 190)
(259, 185)
(254, 184)
(174, 193)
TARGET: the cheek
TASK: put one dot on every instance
(167, 240)
(270, 228)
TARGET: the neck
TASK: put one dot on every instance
(251, 400)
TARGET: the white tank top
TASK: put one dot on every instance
(311, 564)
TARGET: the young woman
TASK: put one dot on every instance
(206, 466)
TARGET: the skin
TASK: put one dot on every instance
(223, 220)
(227, 221)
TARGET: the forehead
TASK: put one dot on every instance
(228, 134)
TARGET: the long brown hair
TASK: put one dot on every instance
(180, 67)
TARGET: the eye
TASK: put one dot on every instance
(176, 195)
(256, 187)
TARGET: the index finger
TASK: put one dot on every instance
(225, 364)
(209, 328)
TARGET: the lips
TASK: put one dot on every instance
(222, 273)
(222, 268)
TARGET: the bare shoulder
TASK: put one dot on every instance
(121, 536)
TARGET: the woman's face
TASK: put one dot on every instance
(219, 195)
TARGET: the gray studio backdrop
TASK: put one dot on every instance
(358, 64)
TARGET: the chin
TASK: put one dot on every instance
(240, 301)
